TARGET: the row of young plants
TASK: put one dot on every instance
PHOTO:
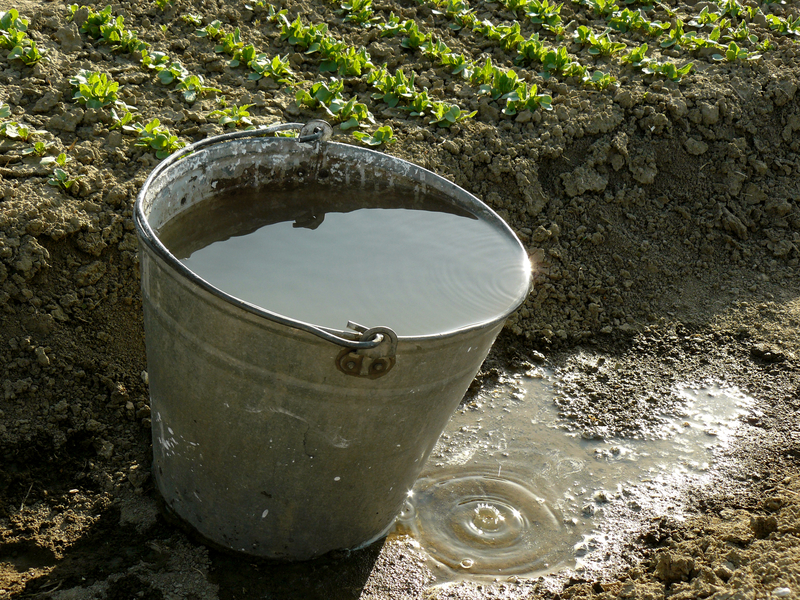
(103, 26)
(401, 90)
(338, 59)
(556, 60)
(503, 85)
(398, 90)
(14, 37)
(725, 34)
(38, 149)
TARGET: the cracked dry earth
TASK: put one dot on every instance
(663, 220)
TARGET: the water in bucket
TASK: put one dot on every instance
(326, 256)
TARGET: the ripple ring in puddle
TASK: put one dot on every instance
(483, 524)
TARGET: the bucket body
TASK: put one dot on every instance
(262, 441)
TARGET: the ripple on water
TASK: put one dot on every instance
(484, 524)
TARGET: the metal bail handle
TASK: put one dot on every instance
(370, 363)
(315, 131)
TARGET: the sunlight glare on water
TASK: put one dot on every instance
(511, 489)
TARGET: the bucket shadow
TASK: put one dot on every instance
(335, 576)
(103, 550)
(107, 550)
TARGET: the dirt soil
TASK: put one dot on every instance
(663, 220)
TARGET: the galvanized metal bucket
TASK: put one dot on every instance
(271, 436)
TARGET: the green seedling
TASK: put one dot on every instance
(544, 13)
(636, 56)
(391, 27)
(192, 19)
(155, 136)
(515, 5)
(30, 55)
(10, 19)
(212, 31)
(693, 41)
(734, 52)
(459, 12)
(175, 71)
(154, 60)
(358, 11)
(162, 4)
(508, 36)
(235, 116)
(482, 74)
(382, 135)
(321, 94)
(435, 48)
(193, 86)
(413, 37)
(244, 56)
(274, 15)
(741, 33)
(556, 61)
(459, 64)
(38, 149)
(675, 36)
(583, 35)
(60, 161)
(730, 7)
(276, 68)
(526, 98)
(121, 119)
(5, 111)
(705, 17)
(598, 80)
(61, 179)
(603, 46)
(420, 104)
(665, 69)
(787, 26)
(392, 89)
(343, 59)
(18, 131)
(351, 113)
(531, 50)
(95, 90)
(604, 8)
(445, 115)
(13, 38)
(94, 21)
(230, 43)
(573, 69)
(629, 20)
(503, 83)
(298, 34)
(121, 39)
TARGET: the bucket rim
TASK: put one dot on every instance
(346, 338)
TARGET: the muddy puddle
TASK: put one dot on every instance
(513, 489)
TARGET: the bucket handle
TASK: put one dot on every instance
(369, 340)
